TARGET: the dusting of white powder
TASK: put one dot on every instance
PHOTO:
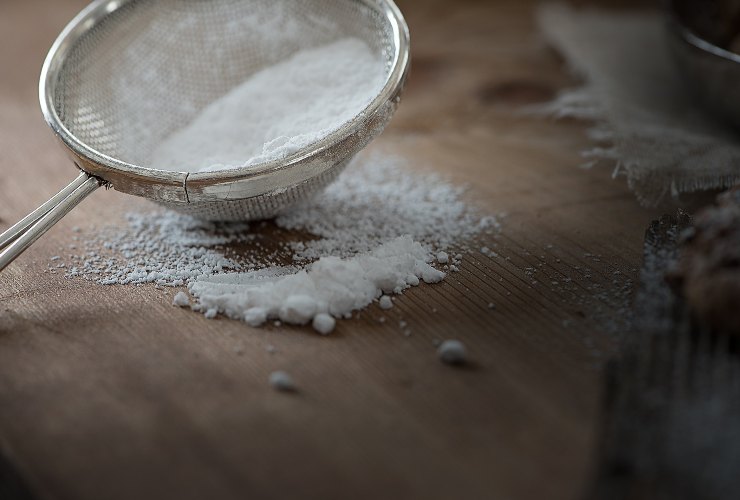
(378, 230)
(278, 110)
(379, 198)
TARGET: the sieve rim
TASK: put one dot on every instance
(114, 170)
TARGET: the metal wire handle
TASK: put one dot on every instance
(22, 234)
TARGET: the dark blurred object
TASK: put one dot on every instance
(12, 485)
(708, 271)
(671, 418)
(703, 35)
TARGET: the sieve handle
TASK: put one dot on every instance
(22, 234)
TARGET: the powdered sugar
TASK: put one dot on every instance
(452, 352)
(385, 301)
(181, 299)
(324, 323)
(278, 110)
(378, 229)
(379, 199)
(161, 247)
(282, 381)
(329, 286)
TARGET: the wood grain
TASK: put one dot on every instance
(112, 393)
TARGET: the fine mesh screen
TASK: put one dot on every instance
(150, 66)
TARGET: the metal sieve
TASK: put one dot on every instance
(125, 74)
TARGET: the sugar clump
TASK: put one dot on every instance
(443, 258)
(281, 381)
(297, 309)
(181, 299)
(330, 285)
(255, 316)
(385, 302)
(452, 352)
(324, 323)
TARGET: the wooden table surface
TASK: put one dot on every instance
(110, 392)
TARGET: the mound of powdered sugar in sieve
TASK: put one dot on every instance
(381, 227)
(277, 111)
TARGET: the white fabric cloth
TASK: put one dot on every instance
(645, 117)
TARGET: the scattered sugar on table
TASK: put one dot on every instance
(330, 285)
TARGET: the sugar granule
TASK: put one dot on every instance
(293, 309)
(385, 302)
(281, 381)
(443, 258)
(181, 299)
(452, 352)
(255, 316)
(330, 285)
(324, 323)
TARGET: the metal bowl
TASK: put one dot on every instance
(700, 33)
